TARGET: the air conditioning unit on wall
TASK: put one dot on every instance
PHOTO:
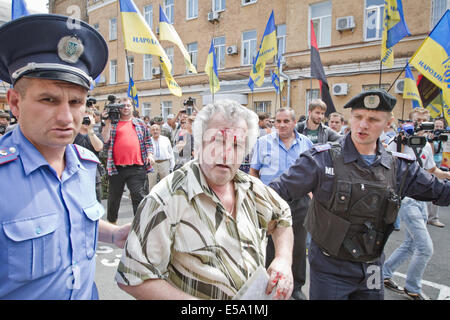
(156, 71)
(213, 16)
(399, 86)
(340, 89)
(232, 50)
(345, 23)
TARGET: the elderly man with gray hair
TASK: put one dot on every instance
(201, 233)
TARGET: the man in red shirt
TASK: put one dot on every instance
(130, 158)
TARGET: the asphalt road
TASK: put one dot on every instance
(436, 280)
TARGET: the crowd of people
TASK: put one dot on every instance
(237, 191)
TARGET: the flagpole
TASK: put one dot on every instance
(398, 76)
(129, 76)
(381, 71)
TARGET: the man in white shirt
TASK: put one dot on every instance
(418, 244)
(163, 155)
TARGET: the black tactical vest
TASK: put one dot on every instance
(356, 222)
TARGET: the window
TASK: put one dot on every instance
(113, 72)
(262, 106)
(321, 19)
(248, 47)
(219, 48)
(146, 108)
(148, 15)
(244, 2)
(129, 68)
(113, 29)
(438, 10)
(169, 52)
(311, 94)
(168, 9)
(218, 5)
(281, 39)
(373, 20)
(148, 63)
(192, 49)
(166, 109)
(384, 86)
(191, 9)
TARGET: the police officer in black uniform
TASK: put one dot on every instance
(357, 187)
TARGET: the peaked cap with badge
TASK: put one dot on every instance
(375, 99)
(50, 46)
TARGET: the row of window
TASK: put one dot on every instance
(320, 14)
(249, 50)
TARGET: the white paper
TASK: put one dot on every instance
(255, 287)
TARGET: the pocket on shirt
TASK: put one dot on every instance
(93, 213)
(33, 247)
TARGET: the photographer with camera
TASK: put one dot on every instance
(4, 122)
(92, 141)
(418, 244)
(130, 154)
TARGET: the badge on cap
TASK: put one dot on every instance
(70, 49)
(371, 101)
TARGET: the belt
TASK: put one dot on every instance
(128, 165)
(159, 161)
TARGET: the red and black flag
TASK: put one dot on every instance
(317, 72)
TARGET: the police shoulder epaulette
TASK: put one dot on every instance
(8, 154)
(405, 156)
(322, 147)
(85, 154)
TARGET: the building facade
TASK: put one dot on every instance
(348, 34)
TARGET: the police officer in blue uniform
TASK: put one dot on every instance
(357, 189)
(50, 218)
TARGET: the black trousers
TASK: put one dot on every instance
(134, 177)
(298, 254)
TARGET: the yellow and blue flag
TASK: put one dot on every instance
(18, 9)
(432, 59)
(276, 80)
(167, 32)
(133, 93)
(394, 29)
(410, 90)
(139, 38)
(267, 50)
(211, 70)
(436, 107)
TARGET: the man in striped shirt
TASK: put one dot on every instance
(202, 231)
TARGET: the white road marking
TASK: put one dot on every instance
(444, 291)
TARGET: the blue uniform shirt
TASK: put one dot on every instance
(48, 225)
(272, 158)
(314, 172)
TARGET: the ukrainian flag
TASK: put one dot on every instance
(436, 106)
(211, 70)
(432, 58)
(410, 90)
(18, 9)
(276, 81)
(267, 50)
(133, 93)
(394, 29)
(137, 36)
(167, 32)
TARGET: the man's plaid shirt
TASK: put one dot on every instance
(145, 143)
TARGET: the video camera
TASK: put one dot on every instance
(2, 129)
(91, 102)
(113, 109)
(407, 134)
(189, 105)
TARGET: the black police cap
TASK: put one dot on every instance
(375, 99)
(50, 46)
